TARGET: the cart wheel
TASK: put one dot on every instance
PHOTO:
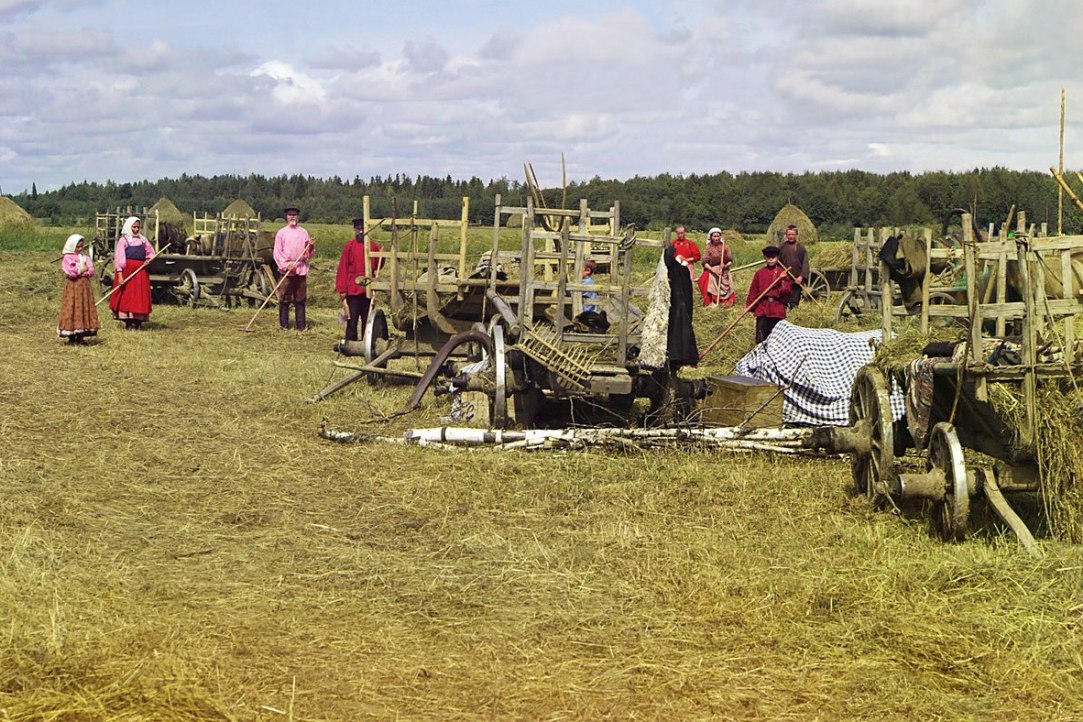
(946, 454)
(498, 409)
(870, 412)
(375, 331)
(850, 305)
(818, 286)
(187, 288)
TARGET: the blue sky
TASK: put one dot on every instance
(125, 90)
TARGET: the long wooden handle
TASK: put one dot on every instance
(744, 313)
(293, 264)
(120, 285)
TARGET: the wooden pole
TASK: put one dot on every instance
(121, 284)
(293, 264)
(1060, 170)
(744, 313)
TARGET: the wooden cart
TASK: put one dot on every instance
(961, 415)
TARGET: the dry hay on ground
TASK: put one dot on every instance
(792, 215)
(12, 215)
(176, 543)
(239, 209)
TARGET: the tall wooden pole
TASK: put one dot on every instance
(1060, 169)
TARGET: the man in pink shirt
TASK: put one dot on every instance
(293, 248)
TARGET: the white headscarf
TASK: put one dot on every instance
(713, 231)
(127, 230)
(73, 241)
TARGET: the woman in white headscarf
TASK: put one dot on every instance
(715, 283)
(78, 315)
(131, 304)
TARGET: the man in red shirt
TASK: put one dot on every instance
(353, 276)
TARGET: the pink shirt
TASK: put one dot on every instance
(289, 246)
(119, 259)
(69, 264)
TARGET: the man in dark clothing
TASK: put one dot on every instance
(793, 256)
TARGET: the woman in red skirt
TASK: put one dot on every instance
(78, 315)
(131, 304)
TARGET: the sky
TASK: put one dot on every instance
(128, 90)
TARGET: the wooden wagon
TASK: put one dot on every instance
(224, 261)
(961, 415)
(509, 322)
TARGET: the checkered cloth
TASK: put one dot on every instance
(819, 366)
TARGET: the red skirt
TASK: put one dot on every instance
(78, 316)
(133, 300)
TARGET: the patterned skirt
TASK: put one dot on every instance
(78, 315)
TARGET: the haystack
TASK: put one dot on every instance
(167, 212)
(792, 215)
(239, 209)
(12, 215)
(731, 236)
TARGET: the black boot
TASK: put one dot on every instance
(300, 316)
(284, 316)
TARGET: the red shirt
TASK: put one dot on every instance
(352, 264)
(687, 249)
(772, 305)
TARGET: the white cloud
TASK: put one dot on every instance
(291, 87)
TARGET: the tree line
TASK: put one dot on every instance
(836, 201)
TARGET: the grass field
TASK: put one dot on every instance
(177, 543)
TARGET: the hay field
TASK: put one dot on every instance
(177, 543)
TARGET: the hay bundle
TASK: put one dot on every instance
(239, 209)
(731, 236)
(12, 215)
(833, 256)
(792, 215)
(1059, 454)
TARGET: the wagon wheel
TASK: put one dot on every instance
(187, 288)
(850, 305)
(375, 331)
(946, 455)
(498, 410)
(870, 416)
(817, 285)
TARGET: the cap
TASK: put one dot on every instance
(358, 222)
(770, 251)
(292, 209)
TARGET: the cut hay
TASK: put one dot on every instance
(177, 542)
(12, 215)
(792, 215)
(731, 236)
(239, 209)
(1058, 449)
(832, 256)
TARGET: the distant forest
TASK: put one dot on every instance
(835, 201)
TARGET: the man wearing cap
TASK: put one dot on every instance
(353, 276)
(293, 248)
(768, 294)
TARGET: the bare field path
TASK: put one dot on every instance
(176, 542)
